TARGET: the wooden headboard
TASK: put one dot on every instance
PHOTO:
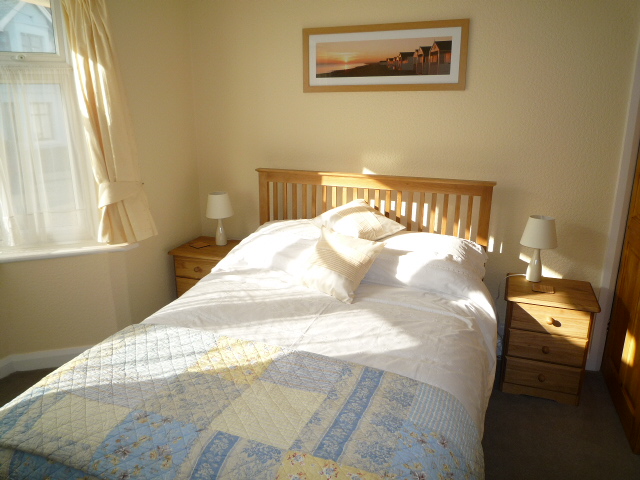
(452, 207)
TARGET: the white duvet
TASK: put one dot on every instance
(422, 311)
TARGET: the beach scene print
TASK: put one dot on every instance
(384, 58)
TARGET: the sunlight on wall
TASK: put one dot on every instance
(492, 247)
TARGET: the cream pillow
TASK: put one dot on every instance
(339, 263)
(358, 219)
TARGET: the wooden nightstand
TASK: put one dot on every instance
(547, 338)
(194, 263)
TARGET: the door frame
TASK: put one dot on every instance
(618, 224)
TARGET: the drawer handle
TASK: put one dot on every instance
(550, 321)
(541, 378)
(545, 349)
(197, 269)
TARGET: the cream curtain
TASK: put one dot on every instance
(124, 210)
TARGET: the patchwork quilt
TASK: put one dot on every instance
(161, 402)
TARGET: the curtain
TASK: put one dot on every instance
(47, 192)
(124, 211)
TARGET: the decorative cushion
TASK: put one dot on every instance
(358, 219)
(338, 264)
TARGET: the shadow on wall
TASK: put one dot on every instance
(581, 252)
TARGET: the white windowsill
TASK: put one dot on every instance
(18, 254)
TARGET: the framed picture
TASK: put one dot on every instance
(393, 56)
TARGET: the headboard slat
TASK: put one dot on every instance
(408, 209)
(314, 200)
(456, 217)
(467, 227)
(401, 198)
(433, 216)
(444, 226)
(420, 214)
(275, 200)
(387, 198)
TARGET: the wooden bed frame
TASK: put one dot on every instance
(461, 208)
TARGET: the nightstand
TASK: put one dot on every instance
(547, 337)
(194, 263)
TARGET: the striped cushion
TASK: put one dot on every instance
(339, 263)
(358, 219)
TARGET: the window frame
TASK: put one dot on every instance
(62, 48)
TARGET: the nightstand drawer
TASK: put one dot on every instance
(542, 375)
(184, 284)
(556, 321)
(196, 258)
(193, 267)
(547, 348)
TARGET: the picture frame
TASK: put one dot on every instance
(430, 55)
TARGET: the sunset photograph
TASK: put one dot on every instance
(404, 56)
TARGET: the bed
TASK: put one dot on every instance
(349, 337)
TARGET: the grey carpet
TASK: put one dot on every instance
(533, 438)
(13, 385)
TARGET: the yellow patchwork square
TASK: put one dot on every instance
(237, 360)
(53, 379)
(303, 465)
(269, 413)
(5, 462)
(74, 420)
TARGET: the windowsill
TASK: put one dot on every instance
(17, 254)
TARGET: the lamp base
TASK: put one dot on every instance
(221, 236)
(534, 270)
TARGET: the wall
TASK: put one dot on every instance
(152, 40)
(78, 301)
(543, 114)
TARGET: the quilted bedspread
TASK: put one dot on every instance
(161, 402)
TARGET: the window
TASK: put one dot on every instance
(47, 191)
(31, 26)
(42, 119)
(32, 43)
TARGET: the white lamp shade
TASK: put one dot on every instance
(219, 205)
(540, 232)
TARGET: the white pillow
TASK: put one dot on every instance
(429, 262)
(460, 250)
(277, 245)
(339, 263)
(358, 219)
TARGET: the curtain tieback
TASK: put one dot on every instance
(113, 192)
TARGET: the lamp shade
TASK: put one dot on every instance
(540, 232)
(219, 205)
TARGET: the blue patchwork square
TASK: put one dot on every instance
(27, 465)
(306, 371)
(145, 446)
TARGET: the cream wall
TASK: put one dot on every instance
(78, 301)
(543, 114)
(215, 91)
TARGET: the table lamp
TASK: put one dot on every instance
(539, 233)
(219, 207)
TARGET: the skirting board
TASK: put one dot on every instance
(37, 360)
